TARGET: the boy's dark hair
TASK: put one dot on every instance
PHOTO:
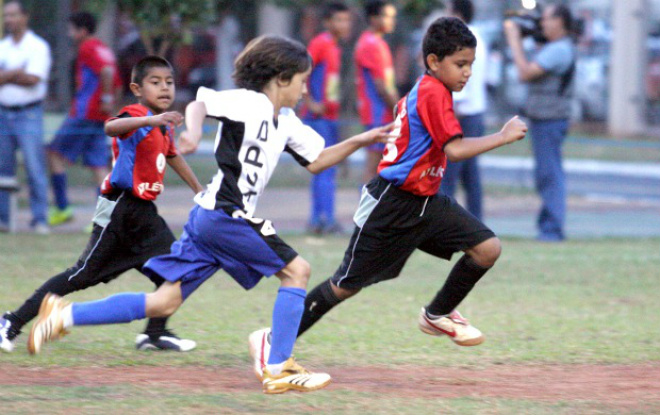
(564, 13)
(141, 69)
(332, 7)
(84, 20)
(374, 8)
(267, 57)
(446, 36)
(463, 8)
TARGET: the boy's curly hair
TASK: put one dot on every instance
(267, 57)
(446, 36)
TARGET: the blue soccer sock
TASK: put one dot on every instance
(287, 311)
(58, 181)
(118, 308)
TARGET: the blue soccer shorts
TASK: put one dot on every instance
(246, 248)
(82, 138)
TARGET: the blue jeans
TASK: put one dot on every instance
(547, 139)
(467, 170)
(323, 185)
(23, 129)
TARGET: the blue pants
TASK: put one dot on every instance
(467, 170)
(24, 129)
(323, 185)
(84, 138)
(547, 139)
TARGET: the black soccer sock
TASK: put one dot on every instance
(156, 326)
(318, 302)
(462, 278)
(58, 285)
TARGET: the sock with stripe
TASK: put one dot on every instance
(318, 302)
(287, 311)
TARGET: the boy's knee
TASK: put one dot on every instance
(486, 253)
(296, 273)
(163, 304)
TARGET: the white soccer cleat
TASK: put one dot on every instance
(164, 341)
(49, 325)
(453, 325)
(259, 347)
(294, 377)
(7, 335)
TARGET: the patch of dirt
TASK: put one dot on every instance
(626, 386)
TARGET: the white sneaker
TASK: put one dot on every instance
(49, 325)
(294, 377)
(259, 347)
(7, 335)
(453, 325)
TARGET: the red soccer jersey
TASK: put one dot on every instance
(139, 157)
(415, 161)
(323, 84)
(93, 56)
(373, 61)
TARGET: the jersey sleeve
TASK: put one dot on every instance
(96, 56)
(303, 143)
(233, 104)
(315, 50)
(554, 58)
(127, 112)
(436, 110)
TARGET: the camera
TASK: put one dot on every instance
(529, 23)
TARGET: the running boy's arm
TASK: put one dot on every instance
(120, 126)
(189, 139)
(335, 154)
(465, 148)
(179, 165)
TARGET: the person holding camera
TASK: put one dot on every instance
(548, 75)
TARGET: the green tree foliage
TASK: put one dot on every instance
(164, 22)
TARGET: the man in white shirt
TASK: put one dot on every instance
(470, 106)
(25, 63)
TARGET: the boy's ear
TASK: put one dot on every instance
(432, 61)
(283, 82)
(135, 89)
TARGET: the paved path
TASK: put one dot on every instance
(510, 215)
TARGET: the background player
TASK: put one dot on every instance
(376, 88)
(400, 210)
(321, 109)
(127, 228)
(96, 82)
(257, 124)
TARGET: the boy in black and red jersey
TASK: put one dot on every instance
(127, 228)
(401, 211)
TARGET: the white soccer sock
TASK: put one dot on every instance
(275, 369)
(67, 317)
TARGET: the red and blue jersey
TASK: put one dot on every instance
(139, 157)
(415, 161)
(373, 62)
(323, 83)
(93, 56)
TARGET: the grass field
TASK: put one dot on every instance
(545, 308)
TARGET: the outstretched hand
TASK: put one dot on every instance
(169, 119)
(515, 129)
(382, 134)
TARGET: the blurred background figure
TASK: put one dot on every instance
(376, 89)
(470, 109)
(549, 75)
(25, 63)
(321, 108)
(81, 135)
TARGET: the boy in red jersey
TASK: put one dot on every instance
(400, 210)
(81, 134)
(376, 89)
(127, 228)
(321, 109)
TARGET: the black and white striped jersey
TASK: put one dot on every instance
(248, 146)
